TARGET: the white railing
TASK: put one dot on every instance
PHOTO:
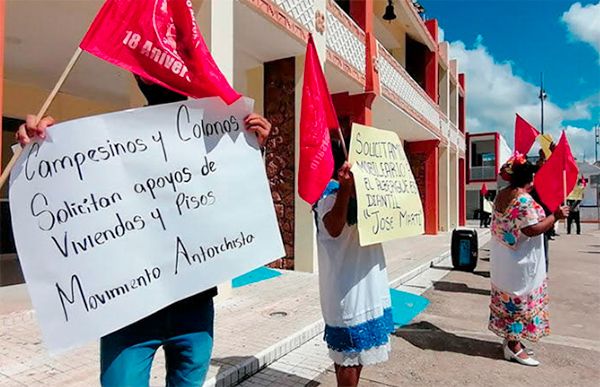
(482, 173)
(348, 43)
(462, 145)
(453, 135)
(394, 77)
(303, 11)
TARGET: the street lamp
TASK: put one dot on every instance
(542, 96)
(597, 143)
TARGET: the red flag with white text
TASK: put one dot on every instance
(558, 176)
(317, 117)
(158, 40)
(525, 135)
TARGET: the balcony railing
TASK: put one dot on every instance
(346, 39)
(453, 135)
(397, 81)
(346, 48)
(482, 173)
(300, 10)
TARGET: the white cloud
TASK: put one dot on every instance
(495, 94)
(582, 142)
(583, 23)
(441, 34)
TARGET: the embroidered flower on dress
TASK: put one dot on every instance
(510, 306)
(516, 327)
(526, 319)
(523, 211)
(509, 238)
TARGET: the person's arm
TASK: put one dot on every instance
(547, 223)
(335, 219)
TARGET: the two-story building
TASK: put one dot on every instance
(486, 152)
(391, 74)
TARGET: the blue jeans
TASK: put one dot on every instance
(183, 329)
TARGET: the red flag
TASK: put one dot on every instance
(316, 119)
(557, 176)
(484, 189)
(160, 41)
(525, 135)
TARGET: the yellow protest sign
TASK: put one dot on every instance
(389, 205)
(577, 193)
(545, 142)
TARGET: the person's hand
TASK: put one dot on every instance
(259, 125)
(345, 177)
(30, 129)
(562, 212)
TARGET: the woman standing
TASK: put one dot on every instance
(518, 308)
(353, 283)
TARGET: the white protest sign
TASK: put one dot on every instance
(119, 215)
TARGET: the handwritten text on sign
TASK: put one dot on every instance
(119, 215)
(389, 206)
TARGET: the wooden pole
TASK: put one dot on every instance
(43, 110)
(339, 130)
(565, 186)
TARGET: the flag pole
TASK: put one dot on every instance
(565, 192)
(565, 186)
(41, 113)
(339, 130)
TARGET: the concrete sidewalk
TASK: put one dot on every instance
(449, 343)
(254, 327)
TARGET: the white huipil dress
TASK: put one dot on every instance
(355, 296)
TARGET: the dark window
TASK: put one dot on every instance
(344, 5)
(415, 60)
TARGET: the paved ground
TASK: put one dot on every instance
(449, 345)
(250, 329)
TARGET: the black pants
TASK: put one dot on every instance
(573, 216)
(485, 219)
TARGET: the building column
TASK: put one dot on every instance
(462, 109)
(432, 63)
(454, 188)
(353, 108)
(216, 20)
(423, 158)
(444, 93)
(444, 188)
(462, 193)
(280, 109)
(305, 246)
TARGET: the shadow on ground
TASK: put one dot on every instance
(427, 336)
(455, 287)
(484, 274)
(229, 367)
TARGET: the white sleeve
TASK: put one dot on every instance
(325, 205)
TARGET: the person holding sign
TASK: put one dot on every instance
(519, 299)
(574, 201)
(486, 212)
(355, 298)
(185, 328)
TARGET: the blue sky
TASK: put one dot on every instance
(503, 45)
